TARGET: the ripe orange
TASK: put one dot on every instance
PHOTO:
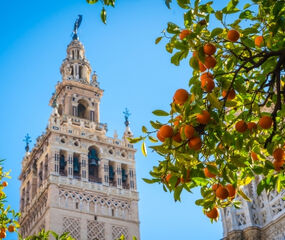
(251, 126)
(177, 137)
(241, 126)
(166, 131)
(11, 228)
(278, 165)
(177, 119)
(278, 154)
(180, 96)
(206, 75)
(213, 214)
(202, 67)
(231, 189)
(160, 138)
(169, 175)
(207, 85)
(184, 33)
(259, 41)
(208, 174)
(220, 146)
(204, 117)
(233, 35)
(215, 186)
(210, 62)
(4, 184)
(2, 234)
(222, 192)
(188, 131)
(209, 49)
(195, 143)
(254, 156)
(231, 95)
(265, 122)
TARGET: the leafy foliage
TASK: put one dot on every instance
(242, 90)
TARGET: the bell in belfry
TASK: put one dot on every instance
(93, 158)
(62, 162)
(75, 165)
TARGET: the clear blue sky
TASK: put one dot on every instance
(133, 71)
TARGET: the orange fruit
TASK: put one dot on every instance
(210, 62)
(177, 137)
(222, 192)
(166, 131)
(259, 41)
(188, 131)
(231, 189)
(202, 67)
(159, 137)
(209, 49)
(213, 214)
(195, 143)
(251, 126)
(265, 122)
(254, 156)
(4, 184)
(278, 154)
(206, 75)
(169, 175)
(231, 95)
(11, 228)
(177, 119)
(220, 146)
(215, 186)
(204, 117)
(241, 126)
(2, 234)
(208, 174)
(207, 85)
(233, 35)
(278, 165)
(203, 22)
(184, 33)
(180, 96)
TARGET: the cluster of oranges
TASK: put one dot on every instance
(187, 132)
(264, 122)
(11, 228)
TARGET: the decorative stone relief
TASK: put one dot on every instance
(72, 225)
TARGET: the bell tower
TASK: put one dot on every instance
(77, 179)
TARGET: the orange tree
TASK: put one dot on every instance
(228, 127)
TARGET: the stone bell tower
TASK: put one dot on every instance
(76, 179)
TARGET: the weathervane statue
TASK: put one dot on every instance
(27, 140)
(76, 26)
(127, 114)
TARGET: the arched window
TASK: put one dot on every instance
(62, 163)
(60, 109)
(93, 164)
(76, 166)
(82, 109)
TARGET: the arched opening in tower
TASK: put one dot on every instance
(82, 109)
(93, 164)
(62, 163)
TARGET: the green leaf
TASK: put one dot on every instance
(277, 8)
(160, 113)
(219, 15)
(172, 28)
(144, 129)
(243, 195)
(260, 187)
(214, 100)
(158, 40)
(200, 181)
(167, 3)
(151, 181)
(103, 15)
(246, 6)
(91, 1)
(143, 148)
(183, 3)
(278, 184)
(178, 56)
(216, 31)
(152, 139)
(194, 63)
(135, 140)
(177, 193)
(213, 169)
(155, 125)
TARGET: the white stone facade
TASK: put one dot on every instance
(76, 179)
(263, 218)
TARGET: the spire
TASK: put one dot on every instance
(27, 140)
(75, 66)
(128, 133)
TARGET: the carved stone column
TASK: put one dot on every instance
(70, 164)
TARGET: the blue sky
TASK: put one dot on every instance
(133, 71)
